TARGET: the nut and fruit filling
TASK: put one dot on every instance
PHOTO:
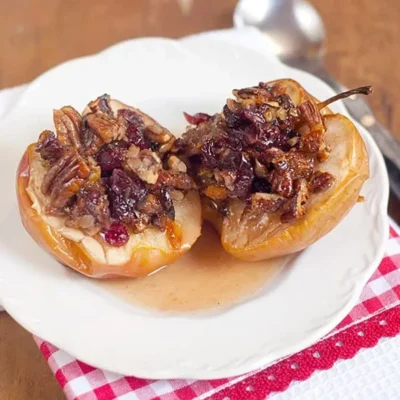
(262, 149)
(109, 172)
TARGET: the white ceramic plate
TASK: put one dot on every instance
(165, 77)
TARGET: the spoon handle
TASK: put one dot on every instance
(359, 109)
(390, 147)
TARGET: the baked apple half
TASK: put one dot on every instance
(276, 169)
(102, 194)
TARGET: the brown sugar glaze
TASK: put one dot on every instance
(205, 278)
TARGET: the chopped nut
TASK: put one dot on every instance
(229, 179)
(217, 175)
(324, 154)
(86, 221)
(267, 202)
(95, 174)
(176, 180)
(281, 114)
(232, 105)
(248, 102)
(101, 104)
(296, 206)
(140, 223)
(216, 192)
(176, 165)
(144, 163)
(244, 94)
(154, 131)
(273, 104)
(260, 169)
(293, 141)
(176, 195)
(321, 181)
(269, 115)
(166, 146)
(157, 134)
(150, 205)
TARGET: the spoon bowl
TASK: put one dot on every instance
(294, 27)
(296, 33)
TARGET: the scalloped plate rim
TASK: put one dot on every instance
(261, 361)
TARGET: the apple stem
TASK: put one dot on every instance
(360, 90)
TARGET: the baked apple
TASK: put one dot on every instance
(276, 169)
(102, 194)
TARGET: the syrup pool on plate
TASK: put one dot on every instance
(203, 279)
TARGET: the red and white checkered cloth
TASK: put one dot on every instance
(382, 292)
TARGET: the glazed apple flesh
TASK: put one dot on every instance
(276, 169)
(104, 182)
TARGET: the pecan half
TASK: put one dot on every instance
(310, 114)
(68, 123)
(106, 127)
(65, 178)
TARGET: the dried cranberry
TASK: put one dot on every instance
(230, 160)
(135, 136)
(116, 235)
(250, 136)
(208, 156)
(254, 115)
(270, 136)
(111, 156)
(197, 119)
(49, 147)
(245, 176)
(124, 193)
(136, 129)
(234, 140)
(232, 119)
(264, 85)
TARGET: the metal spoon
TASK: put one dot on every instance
(297, 34)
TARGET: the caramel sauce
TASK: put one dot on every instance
(205, 278)
(174, 234)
